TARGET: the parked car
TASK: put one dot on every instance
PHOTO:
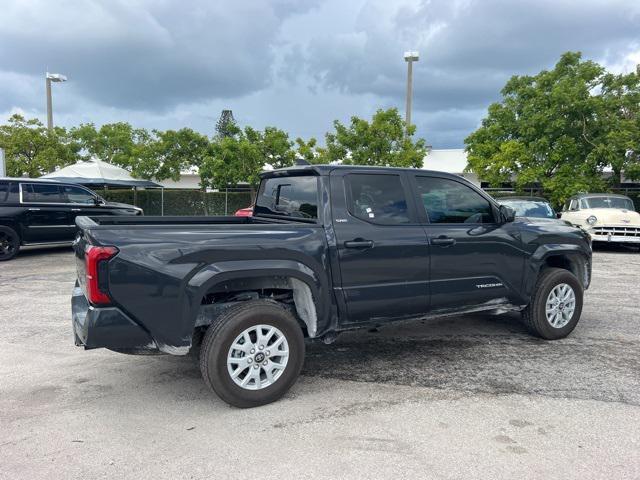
(329, 248)
(43, 212)
(534, 208)
(606, 217)
(244, 212)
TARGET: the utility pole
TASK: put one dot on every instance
(52, 77)
(409, 57)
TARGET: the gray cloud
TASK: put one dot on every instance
(147, 55)
(469, 48)
(295, 64)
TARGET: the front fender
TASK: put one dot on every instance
(580, 261)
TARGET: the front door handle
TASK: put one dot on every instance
(358, 243)
(443, 241)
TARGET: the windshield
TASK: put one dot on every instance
(530, 208)
(288, 196)
(607, 202)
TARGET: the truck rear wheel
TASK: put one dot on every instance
(9, 243)
(252, 354)
(556, 304)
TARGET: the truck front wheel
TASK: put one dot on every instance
(252, 354)
(555, 306)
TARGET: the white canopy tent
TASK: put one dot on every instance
(97, 173)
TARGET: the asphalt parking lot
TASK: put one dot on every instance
(473, 397)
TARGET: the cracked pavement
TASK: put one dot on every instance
(466, 397)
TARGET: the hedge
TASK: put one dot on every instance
(180, 202)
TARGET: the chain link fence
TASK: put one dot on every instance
(180, 202)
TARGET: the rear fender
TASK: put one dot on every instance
(311, 294)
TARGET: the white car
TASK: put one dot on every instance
(606, 217)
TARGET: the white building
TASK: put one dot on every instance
(188, 180)
(451, 160)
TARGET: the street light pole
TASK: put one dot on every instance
(52, 77)
(409, 57)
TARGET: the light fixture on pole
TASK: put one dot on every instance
(409, 57)
(52, 77)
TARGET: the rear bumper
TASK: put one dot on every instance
(107, 327)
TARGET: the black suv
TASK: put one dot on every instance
(43, 212)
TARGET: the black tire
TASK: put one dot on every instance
(9, 243)
(222, 333)
(534, 315)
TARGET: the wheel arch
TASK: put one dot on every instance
(309, 289)
(566, 256)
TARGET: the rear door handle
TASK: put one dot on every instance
(358, 243)
(443, 241)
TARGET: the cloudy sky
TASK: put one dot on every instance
(294, 64)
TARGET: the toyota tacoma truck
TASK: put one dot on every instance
(327, 249)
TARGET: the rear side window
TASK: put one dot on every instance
(40, 193)
(448, 201)
(377, 198)
(288, 196)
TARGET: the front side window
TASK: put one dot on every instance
(448, 201)
(288, 196)
(41, 193)
(77, 195)
(377, 198)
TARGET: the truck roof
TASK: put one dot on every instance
(326, 169)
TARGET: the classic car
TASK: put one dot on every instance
(605, 216)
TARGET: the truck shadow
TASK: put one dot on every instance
(473, 354)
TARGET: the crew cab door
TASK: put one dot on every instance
(46, 217)
(475, 258)
(382, 249)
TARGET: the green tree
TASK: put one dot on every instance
(226, 125)
(31, 150)
(383, 142)
(174, 151)
(560, 128)
(232, 160)
(276, 148)
(620, 148)
(119, 144)
(310, 152)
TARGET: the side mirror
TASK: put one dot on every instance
(507, 214)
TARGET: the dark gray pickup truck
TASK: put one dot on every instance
(328, 248)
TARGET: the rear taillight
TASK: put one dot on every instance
(96, 259)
